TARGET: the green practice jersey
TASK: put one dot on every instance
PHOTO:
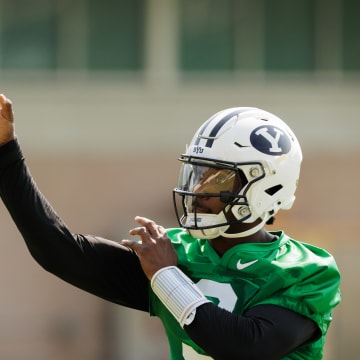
(285, 272)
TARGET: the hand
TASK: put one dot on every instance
(7, 128)
(155, 251)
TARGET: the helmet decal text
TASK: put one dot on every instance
(270, 140)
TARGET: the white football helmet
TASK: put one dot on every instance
(249, 159)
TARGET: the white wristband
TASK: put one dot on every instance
(178, 293)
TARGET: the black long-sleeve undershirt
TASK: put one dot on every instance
(112, 272)
(96, 265)
(264, 332)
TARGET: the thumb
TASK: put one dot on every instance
(131, 244)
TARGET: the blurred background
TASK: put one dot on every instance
(106, 96)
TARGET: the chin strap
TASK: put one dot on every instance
(248, 232)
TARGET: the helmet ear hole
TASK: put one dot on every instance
(274, 189)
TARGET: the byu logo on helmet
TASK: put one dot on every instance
(270, 140)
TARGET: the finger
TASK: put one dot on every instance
(149, 224)
(144, 234)
(150, 227)
(137, 229)
(141, 230)
(161, 230)
(2, 99)
(6, 108)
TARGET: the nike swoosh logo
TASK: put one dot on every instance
(241, 266)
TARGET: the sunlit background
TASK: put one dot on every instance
(106, 96)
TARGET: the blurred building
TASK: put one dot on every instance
(106, 96)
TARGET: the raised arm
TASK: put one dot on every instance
(99, 266)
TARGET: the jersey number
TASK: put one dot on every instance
(223, 292)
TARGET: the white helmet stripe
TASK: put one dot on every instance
(218, 125)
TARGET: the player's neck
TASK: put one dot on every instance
(222, 244)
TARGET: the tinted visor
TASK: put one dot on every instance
(205, 181)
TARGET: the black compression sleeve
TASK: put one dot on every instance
(264, 332)
(99, 266)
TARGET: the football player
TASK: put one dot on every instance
(222, 285)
